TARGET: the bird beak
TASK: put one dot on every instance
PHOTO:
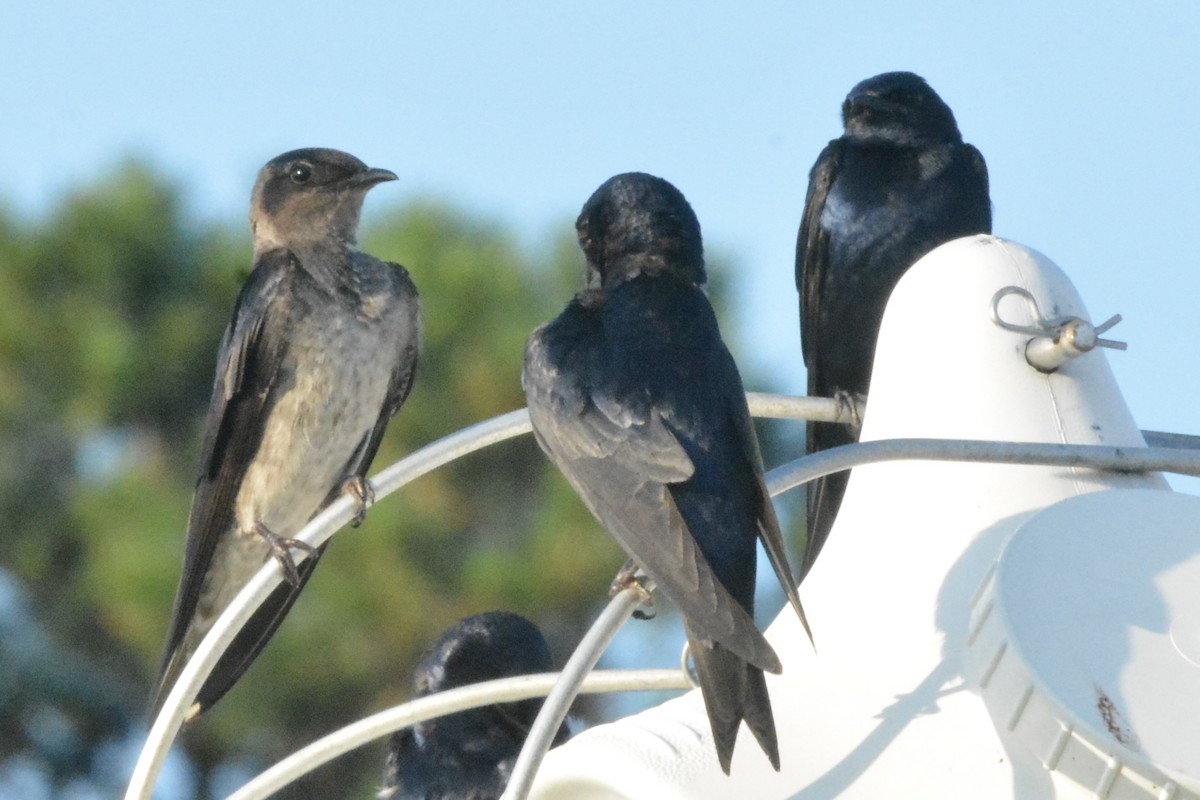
(370, 177)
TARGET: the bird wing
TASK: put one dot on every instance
(616, 450)
(769, 532)
(979, 167)
(812, 260)
(249, 372)
(811, 244)
(983, 199)
(404, 371)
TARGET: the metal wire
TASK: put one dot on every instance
(502, 690)
(811, 467)
(841, 409)
(1117, 459)
(554, 710)
(515, 423)
(319, 529)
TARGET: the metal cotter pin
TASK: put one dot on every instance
(1055, 341)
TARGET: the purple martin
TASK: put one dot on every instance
(635, 398)
(899, 182)
(319, 355)
(469, 755)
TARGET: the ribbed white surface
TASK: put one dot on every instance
(1086, 642)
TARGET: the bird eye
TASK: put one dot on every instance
(300, 173)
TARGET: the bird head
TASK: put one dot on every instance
(484, 647)
(639, 224)
(898, 107)
(308, 195)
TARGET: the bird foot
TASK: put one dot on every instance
(363, 493)
(281, 549)
(851, 402)
(631, 575)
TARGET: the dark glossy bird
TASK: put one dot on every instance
(469, 755)
(899, 182)
(635, 398)
(319, 355)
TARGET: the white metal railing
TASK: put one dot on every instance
(501, 690)
(1179, 455)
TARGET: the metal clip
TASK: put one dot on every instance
(1056, 340)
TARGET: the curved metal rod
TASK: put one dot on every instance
(1090, 456)
(811, 467)
(501, 690)
(1043, 326)
(336, 515)
(317, 531)
(842, 409)
(554, 710)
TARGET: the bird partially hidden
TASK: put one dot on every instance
(319, 355)
(899, 182)
(635, 398)
(469, 755)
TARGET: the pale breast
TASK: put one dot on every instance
(341, 372)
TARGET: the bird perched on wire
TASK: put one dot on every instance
(635, 398)
(319, 355)
(469, 755)
(899, 182)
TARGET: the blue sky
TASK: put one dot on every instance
(1085, 111)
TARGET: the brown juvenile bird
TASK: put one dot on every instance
(320, 354)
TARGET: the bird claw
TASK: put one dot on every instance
(281, 549)
(851, 402)
(631, 575)
(363, 492)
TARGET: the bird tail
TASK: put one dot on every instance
(734, 690)
(824, 495)
(241, 653)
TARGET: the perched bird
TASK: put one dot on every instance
(319, 355)
(635, 398)
(899, 182)
(469, 755)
